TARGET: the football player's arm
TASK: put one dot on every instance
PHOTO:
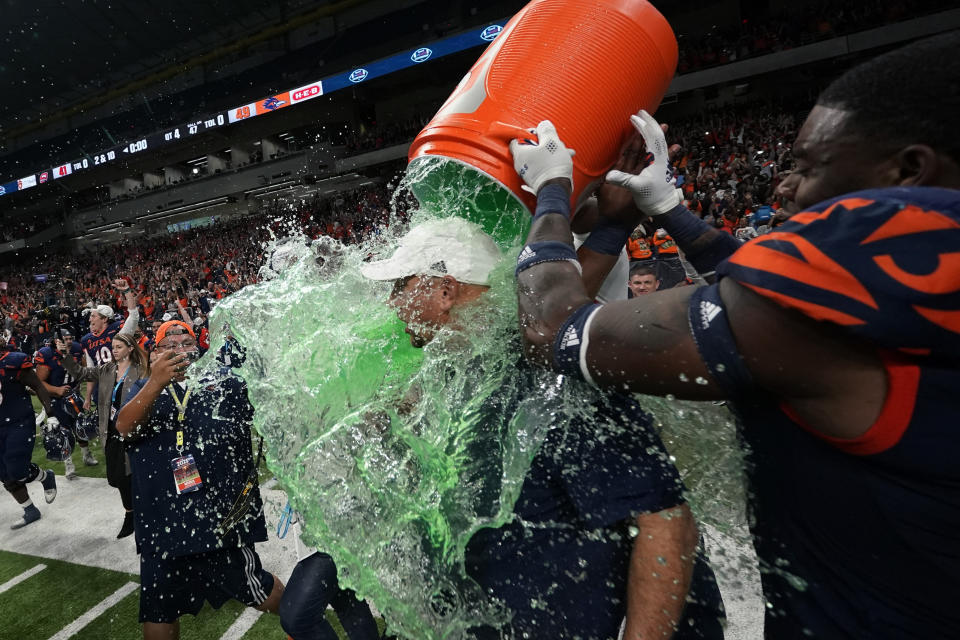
(29, 378)
(645, 345)
(43, 374)
(661, 567)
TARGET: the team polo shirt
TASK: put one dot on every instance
(859, 538)
(15, 406)
(561, 565)
(216, 432)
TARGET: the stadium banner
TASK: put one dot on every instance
(375, 69)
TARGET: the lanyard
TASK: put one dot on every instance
(180, 402)
(113, 398)
(180, 442)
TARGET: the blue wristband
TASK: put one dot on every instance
(608, 237)
(552, 251)
(570, 345)
(553, 198)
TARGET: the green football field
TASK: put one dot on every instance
(53, 601)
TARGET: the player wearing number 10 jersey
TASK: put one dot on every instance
(97, 344)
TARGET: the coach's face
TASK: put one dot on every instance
(423, 303)
(833, 160)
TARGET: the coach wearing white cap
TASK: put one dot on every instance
(578, 499)
(437, 266)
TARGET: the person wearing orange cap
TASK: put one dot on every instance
(197, 511)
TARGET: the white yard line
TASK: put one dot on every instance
(74, 627)
(29, 573)
(242, 624)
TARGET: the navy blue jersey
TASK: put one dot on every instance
(15, 405)
(98, 346)
(858, 538)
(48, 357)
(562, 565)
(216, 432)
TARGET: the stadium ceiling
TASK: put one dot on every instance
(63, 54)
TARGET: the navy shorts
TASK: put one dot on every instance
(172, 587)
(16, 449)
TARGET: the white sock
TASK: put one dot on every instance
(84, 450)
(41, 476)
(26, 505)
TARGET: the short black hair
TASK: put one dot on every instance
(910, 95)
(642, 270)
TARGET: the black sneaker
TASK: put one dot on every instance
(49, 486)
(30, 514)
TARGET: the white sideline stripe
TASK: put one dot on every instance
(29, 573)
(242, 624)
(74, 627)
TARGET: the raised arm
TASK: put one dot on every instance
(647, 345)
(133, 313)
(704, 246)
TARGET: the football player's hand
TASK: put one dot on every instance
(61, 346)
(61, 391)
(52, 425)
(653, 191)
(543, 159)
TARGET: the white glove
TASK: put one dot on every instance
(653, 190)
(543, 160)
(52, 425)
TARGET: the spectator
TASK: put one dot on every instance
(643, 279)
(114, 380)
(193, 551)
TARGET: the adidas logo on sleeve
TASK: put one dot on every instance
(708, 311)
(570, 338)
(526, 254)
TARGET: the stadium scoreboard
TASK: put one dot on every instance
(205, 123)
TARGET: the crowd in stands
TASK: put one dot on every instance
(798, 25)
(378, 136)
(732, 159)
(729, 164)
(14, 230)
(184, 267)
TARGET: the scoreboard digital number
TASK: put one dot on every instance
(242, 113)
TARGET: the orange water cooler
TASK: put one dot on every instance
(586, 65)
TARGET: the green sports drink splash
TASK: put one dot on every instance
(389, 452)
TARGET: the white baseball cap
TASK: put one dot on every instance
(105, 310)
(450, 246)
